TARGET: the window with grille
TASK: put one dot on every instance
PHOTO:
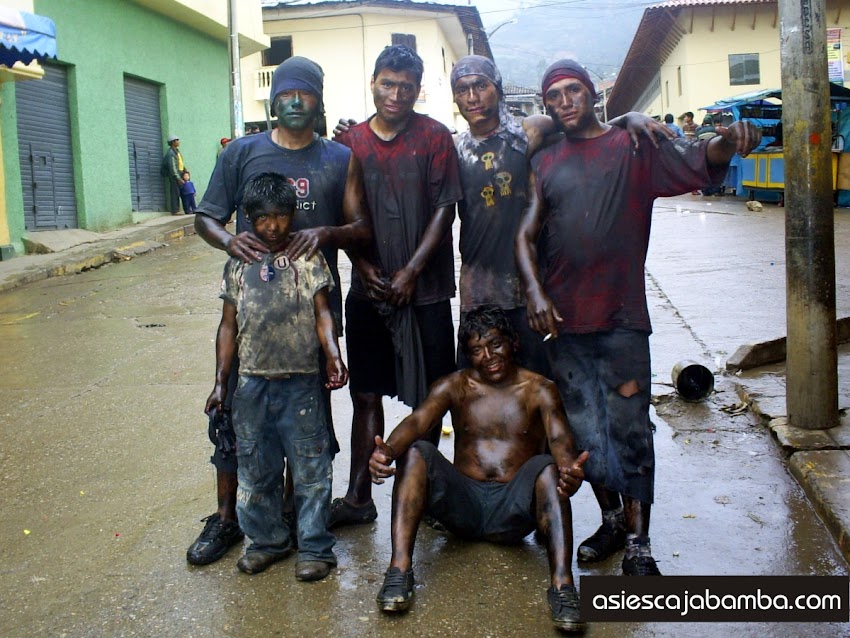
(744, 68)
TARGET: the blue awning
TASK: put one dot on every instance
(25, 37)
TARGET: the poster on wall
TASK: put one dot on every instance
(835, 61)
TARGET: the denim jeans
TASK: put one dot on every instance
(277, 419)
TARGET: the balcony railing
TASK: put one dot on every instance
(263, 83)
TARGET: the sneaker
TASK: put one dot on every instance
(218, 536)
(566, 608)
(344, 513)
(397, 591)
(609, 538)
(638, 560)
(640, 566)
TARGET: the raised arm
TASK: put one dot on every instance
(542, 315)
(740, 137)
(416, 425)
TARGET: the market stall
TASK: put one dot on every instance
(761, 175)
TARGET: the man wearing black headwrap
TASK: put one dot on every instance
(589, 218)
(330, 215)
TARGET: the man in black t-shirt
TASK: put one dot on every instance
(330, 214)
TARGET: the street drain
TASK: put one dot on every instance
(152, 325)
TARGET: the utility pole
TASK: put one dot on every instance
(237, 123)
(811, 363)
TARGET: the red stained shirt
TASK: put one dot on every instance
(406, 180)
(598, 195)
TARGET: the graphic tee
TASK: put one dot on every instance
(318, 172)
(495, 193)
(275, 312)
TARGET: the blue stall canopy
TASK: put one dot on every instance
(837, 93)
(25, 37)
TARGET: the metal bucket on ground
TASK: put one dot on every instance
(692, 380)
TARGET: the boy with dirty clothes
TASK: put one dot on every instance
(276, 313)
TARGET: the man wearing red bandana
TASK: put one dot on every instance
(581, 249)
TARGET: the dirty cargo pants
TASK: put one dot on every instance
(277, 419)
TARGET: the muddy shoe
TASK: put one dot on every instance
(609, 538)
(566, 608)
(640, 566)
(397, 591)
(343, 513)
(307, 570)
(259, 561)
(638, 560)
(218, 536)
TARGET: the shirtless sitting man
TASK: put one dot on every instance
(503, 485)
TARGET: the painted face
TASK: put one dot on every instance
(272, 226)
(570, 104)
(492, 356)
(394, 93)
(477, 99)
(296, 109)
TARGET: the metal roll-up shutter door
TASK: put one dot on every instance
(45, 153)
(144, 144)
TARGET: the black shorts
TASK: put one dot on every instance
(481, 510)
(371, 357)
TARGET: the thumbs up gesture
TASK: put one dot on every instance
(380, 461)
(571, 476)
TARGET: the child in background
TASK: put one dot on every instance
(187, 193)
(276, 314)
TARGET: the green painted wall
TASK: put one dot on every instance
(104, 40)
(11, 166)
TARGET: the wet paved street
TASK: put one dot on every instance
(104, 463)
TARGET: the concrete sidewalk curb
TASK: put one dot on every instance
(825, 476)
(119, 245)
(817, 459)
